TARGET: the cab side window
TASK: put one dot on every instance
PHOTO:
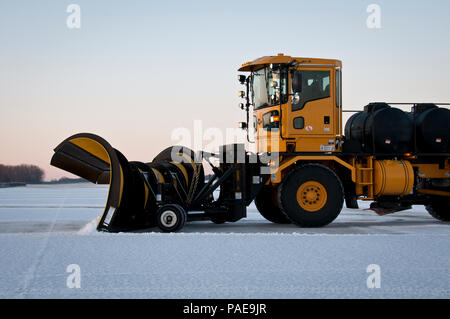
(309, 86)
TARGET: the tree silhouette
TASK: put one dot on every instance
(21, 173)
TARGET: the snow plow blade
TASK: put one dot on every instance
(134, 187)
(92, 158)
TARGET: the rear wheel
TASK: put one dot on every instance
(311, 196)
(218, 220)
(350, 195)
(265, 202)
(439, 208)
(351, 200)
(171, 217)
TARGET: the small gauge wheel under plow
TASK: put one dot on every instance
(171, 217)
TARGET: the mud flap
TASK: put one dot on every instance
(385, 208)
(94, 159)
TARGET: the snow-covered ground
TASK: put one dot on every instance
(43, 230)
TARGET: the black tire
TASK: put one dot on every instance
(311, 206)
(218, 220)
(171, 218)
(351, 200)
(264, 202)
(439, 208)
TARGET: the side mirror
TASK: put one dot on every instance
(295, 98)
(242, 78)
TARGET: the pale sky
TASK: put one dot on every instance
(137, 70)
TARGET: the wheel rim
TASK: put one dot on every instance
(168, 218)
(311, 196)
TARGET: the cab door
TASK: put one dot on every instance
(311, 106)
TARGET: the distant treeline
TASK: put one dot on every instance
(66, 180)
(21, 174)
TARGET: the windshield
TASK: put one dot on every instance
(266, 85)
(260, 95)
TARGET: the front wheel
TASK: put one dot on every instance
(311, 196)
(439, 208)
(171, 217)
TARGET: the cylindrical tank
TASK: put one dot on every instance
(432, 125)
(392, 178)
(381, 128)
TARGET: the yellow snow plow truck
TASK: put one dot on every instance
(304, 167)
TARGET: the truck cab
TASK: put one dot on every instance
(297, 103)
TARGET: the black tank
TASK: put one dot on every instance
(380, 128)
(432, 125)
